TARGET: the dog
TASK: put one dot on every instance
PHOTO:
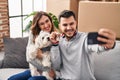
(42, 42)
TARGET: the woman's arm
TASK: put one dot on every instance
(30, 49)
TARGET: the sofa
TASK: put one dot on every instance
(13, 60)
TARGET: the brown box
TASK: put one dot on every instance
(56, 6)
(95, 15)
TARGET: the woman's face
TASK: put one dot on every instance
(45, 23)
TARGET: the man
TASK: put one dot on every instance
(72, 55)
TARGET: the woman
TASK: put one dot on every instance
(41, 21)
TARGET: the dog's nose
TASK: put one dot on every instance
(48, 38)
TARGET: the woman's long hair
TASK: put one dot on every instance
(35, 26)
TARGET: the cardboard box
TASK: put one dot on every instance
(95, 15)
(56, 6)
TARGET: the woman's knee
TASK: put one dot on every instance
(21, 76)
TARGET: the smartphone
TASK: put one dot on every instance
(92, 38)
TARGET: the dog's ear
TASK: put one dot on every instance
(41, 32)
(37, 43)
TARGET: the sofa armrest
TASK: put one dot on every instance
(1, 57)
(107, 64)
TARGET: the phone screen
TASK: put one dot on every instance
(92, 38)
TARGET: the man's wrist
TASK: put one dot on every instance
(110, 48)
(55, 43)
(113, 45)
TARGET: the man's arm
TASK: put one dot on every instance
(55, 57)
(55, 51)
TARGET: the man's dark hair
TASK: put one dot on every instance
(66, 14)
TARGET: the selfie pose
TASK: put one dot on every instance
(41, 22)
(72, 54)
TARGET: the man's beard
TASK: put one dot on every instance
(70, 36)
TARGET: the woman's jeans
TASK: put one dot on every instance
(26, 75)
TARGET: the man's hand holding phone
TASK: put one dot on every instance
(92, 38)
(103, 37)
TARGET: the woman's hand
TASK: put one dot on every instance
(111, 37)
(39, 54)
(52, 73)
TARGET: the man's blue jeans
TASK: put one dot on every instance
(26, 76)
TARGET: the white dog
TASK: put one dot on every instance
(41, 42)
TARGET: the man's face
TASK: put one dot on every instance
(68, 26)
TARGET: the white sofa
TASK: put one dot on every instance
(13, 58)
(5, 73)
(107, 64)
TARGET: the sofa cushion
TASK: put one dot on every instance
(107, 64)
(5, 73)
(15, 53)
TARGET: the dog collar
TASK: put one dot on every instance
(45, 48)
